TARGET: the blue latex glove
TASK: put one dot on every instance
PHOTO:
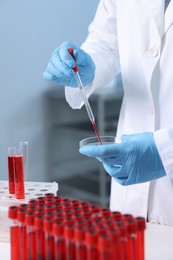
(61, 64)
(134, 160)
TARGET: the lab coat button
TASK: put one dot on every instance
(151, 109)
(153, 51)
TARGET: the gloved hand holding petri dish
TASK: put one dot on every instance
(130, 160)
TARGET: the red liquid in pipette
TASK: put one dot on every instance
(96, 131)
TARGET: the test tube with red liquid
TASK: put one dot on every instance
(49, 238)
(31, 238)
(19, 175)
(11, 169)
(22, 234)
(40, 237)
(106, 247)
(70, 243)
(141, 224)
(91, 240)
(79, 236)
(59, 240)
(14, 235)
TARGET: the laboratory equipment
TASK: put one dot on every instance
(19, 175)
(23, 146)
(11, 173)
(94, 141)
(85, 99)
(58, 235)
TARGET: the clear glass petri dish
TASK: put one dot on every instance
(95, 141)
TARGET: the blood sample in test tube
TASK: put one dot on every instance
(141, 225)
(11, 169)
(19, 175)
(31, 239)
(49, 238)
(132, 239)
(105, 247)
(91, 240)
(59, 240)
(14, 236)
(123, 247)
(70, 242)
(79, 237)
(22, 234)
(40, 237)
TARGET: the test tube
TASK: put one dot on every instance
(11, 169)
(14, 236)
(79, 236)
(141, 224)
(40, 237)
(70, 243)
(132, 239)
(23, 146)
(22, 234)
(123, 249)
(49, 238)
(19, 175)
(91, 239)
(59, 241)
(31, 239)
(105, 246)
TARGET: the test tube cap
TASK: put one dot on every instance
(105, 242)
(141, 223)
(12, 212)
(58, 228)
(29, 219)
(21, 215)
(39, 220)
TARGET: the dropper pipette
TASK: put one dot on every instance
(85, 99)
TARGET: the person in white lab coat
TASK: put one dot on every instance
(133, 38)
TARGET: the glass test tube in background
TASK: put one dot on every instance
(24, 147)
(19, 175)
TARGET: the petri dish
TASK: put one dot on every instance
(104, 139)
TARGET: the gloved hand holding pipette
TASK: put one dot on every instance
(61, 64)
(73, 67)
(134, 160)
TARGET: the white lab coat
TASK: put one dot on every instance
(136, 38)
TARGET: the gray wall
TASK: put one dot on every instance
(29, 31)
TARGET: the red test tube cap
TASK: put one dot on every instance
(39, 221)
(141, 223)
(21, 215)
(58, 228)
(29, 218)
(49, 196)
(12, 212)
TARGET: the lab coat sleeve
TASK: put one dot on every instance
(164, 143)
(101, 44)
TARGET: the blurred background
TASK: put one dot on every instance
(35, 111)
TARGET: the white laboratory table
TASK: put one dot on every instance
(158, 243)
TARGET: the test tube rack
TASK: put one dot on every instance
(32, 191)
